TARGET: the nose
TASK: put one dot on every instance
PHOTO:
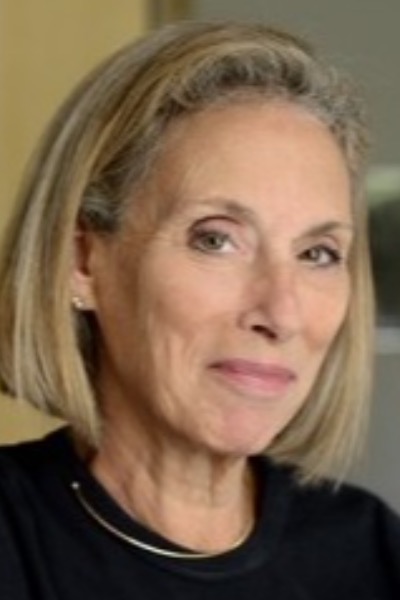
(272, 307)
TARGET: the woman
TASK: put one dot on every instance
(186, 283)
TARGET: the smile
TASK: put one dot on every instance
(261, 379)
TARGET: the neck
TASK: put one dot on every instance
(197, 500)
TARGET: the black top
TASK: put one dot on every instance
(309, 543)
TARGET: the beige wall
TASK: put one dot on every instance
(44, 49)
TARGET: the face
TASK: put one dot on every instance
(216, 333)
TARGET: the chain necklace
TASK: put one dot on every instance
(76, 487)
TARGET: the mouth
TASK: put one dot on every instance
(256, 378)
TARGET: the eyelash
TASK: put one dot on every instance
(218, 230)
(334, 256)
(202, 233)
(200, 236)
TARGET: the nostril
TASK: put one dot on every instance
(265, 331)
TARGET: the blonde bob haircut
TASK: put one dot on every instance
(99, 150)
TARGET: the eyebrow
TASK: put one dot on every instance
(236, 209)
(232, 208)
(328, 227)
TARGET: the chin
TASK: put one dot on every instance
(253, 432)
(243, 444)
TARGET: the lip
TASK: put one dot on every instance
(266, 379)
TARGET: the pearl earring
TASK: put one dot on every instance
(77, 302)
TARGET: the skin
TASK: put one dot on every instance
(248, 262)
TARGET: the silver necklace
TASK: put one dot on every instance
(76, 487)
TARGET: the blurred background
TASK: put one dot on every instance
(45, 47)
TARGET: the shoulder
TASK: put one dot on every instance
(28, 488)
(345, 504)
(23, 453)
(340, 505)
(345, 523)
(339, 534)
(32, 483)
(26, 464)
(326, 497)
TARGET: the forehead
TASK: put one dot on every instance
(256, 154)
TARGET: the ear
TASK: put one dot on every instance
(83, 295)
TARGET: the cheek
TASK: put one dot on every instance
(187, 300)
(326, 313)
(176, 326)
(183, 317)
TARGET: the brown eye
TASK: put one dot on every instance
(321, 256)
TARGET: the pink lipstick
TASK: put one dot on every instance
(261, 379)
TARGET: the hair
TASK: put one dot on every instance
(100, 148)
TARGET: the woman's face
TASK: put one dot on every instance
(214, 336)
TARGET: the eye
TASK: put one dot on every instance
(211, 240)
(322, 255)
